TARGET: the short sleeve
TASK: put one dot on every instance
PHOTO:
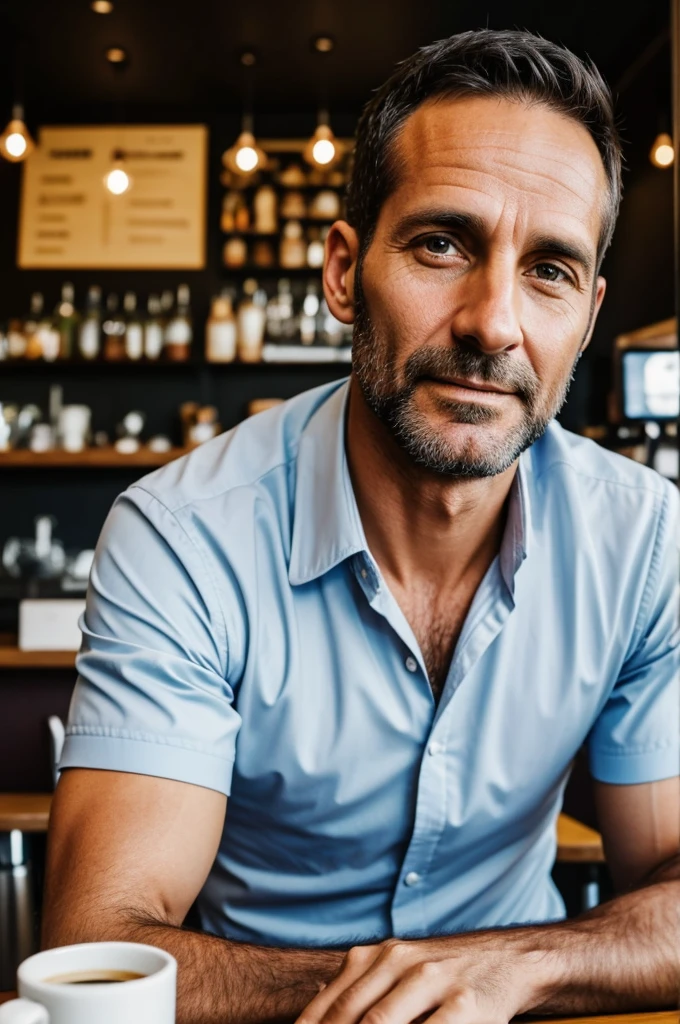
(152, 695)
(636, 737)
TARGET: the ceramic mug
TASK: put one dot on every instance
(102, 982)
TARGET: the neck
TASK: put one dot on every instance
(420, 525)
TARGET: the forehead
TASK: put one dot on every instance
(497, 155)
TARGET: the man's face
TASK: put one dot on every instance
(478, 289)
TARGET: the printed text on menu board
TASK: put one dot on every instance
(68, 219)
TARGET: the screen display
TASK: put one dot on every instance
(651, 384)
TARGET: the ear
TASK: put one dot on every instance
(600, 289)
(340, 261)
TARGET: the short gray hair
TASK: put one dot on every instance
(511, 64)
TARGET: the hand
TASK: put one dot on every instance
(453, 979)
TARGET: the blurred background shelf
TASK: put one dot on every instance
(12, 657)
(104, 458)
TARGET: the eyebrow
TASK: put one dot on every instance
(451, 220)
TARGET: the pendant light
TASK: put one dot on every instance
(16, 142)
(323, 149)
(245, 157)
(117, 180)
(662, 153)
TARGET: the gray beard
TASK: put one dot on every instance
(393, 402)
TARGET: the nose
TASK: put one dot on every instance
(487, 314)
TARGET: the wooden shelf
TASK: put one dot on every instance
(577, 843)
(26, 812)
(104, 458)
(12, 657)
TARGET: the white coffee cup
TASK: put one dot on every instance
(55, 987)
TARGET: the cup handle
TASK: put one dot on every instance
(23, 1011)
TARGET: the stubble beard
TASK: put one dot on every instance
(393, 401)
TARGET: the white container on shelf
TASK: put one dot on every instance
(47, 624)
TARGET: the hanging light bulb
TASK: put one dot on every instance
(245, 156)
(323, 149)
(662, 153)
(117, 180)
(15, 142)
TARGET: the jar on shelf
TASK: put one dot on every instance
(250, 320)
(235, 252)
(293, 205)
(293, 249)
(265, 206)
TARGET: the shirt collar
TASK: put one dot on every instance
(327, 528)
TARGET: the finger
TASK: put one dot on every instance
(420, 991)
(355, 1001)
(464, 1008)
(357, 961)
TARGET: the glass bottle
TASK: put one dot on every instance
(310, 311)
(48, 337)
(251, 320)
(113, 330)
(220, 331)
(153, 329)
(66, 321)
(32, 327)
(280, 311)
(16, 339)
(179, 332)
(134, 331)
(90, 334)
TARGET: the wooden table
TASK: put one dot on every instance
(665, 1017)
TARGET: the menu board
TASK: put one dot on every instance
(69, 219)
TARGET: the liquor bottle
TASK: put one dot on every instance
(220, 330)
(153, 329)
(280, 311)
(16, 339)
(32, 327)
(179, 332)
(90, 334)
(66, 321)
(49, 338)
(113, 330)
(251, 320)
(310, 311)
(134, 331)
(330, 331)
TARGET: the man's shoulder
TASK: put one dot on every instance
(562, 457)
(242, 457)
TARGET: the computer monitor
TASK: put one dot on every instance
(651, 384)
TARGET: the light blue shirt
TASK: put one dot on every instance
(239, 636)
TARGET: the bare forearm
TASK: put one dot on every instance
(623, 955)
(225, 982)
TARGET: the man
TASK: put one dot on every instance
(383, 618)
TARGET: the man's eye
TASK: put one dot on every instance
(549, 272)
(439, 245)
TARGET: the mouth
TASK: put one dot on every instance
(469, 385)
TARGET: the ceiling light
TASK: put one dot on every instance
(15, 142)
(116, 55)
(324, 44)
(117, 180)
(248, 58)
(661, 153)
(101, 6)
(323, 149)
(245, 156)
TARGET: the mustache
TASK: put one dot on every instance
(503, 371)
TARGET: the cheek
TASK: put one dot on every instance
(407, 312)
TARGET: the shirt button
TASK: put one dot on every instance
(435, 748)
(412, 878)
(411, 664)
(364, 574)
